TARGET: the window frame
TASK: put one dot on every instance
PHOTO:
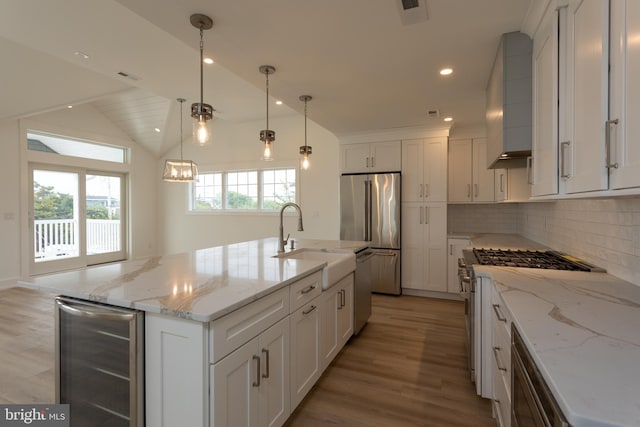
(224, 210)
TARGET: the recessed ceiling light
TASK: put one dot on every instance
(446, 71)
(69, 106)
(157, 129)
(448, 119)
(208, 61)
(278, 102)
(81, 54)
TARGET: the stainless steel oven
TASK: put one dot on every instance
(533, 405)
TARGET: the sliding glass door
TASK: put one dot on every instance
(77, 218)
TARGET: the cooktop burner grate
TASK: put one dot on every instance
(530, 259)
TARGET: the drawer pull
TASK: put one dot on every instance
(313, 307)
(495, 353)
(256, 383)
(500, 316)
(308, 289)
(266, 353)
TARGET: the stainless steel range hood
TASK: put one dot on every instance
(508, 114)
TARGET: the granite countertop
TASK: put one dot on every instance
(200, 285)
(583, 332)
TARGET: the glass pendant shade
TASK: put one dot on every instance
(201, 129)
(180, 171)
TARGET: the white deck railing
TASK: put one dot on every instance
(56, 238)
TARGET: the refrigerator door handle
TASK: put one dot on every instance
(369, 212)
(366, 210)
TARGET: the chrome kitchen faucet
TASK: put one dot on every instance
(282, 242)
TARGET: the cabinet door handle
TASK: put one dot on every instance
(421, 192)
(530, 170)
(563, 173)
(607, 141)
(367, 162)
(450, 249)
(420, 214)
(266, 354)
(373, 162)
(343, 299)
(500, 316)
(308, 289)
(426, 190)
(495, 354)
(426, 215)
(340, 300)
(256, 383)
(502, 182)
(313, 307)
(468, 191)
(475, 190)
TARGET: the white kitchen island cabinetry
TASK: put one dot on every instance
(469, 178)
(424, 246)
(336, 326)
(371, 157)
(501, 358)
(424, 170)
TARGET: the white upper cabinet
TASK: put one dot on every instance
(371, 157)
(624, 125)
(544, 167)
(585, 113)
(424, 170)
(469, 178)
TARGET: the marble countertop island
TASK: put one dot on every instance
(200, 285)
(582, 330)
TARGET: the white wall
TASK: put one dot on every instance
(237, 145)
(82, 122)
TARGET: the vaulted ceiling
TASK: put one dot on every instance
(365, 68)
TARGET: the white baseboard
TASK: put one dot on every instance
(8, 283)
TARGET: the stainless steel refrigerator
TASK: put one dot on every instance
(370, 211)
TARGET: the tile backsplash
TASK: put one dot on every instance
(481, 218)
(604, 232)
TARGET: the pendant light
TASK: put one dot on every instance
(267, 136)
(180, 170)
(305, 150)
(201, 112)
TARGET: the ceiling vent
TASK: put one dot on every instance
(433, 114)
(128, 76)
(412, 11)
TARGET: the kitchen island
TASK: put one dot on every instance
(210, 313)
(581, 329)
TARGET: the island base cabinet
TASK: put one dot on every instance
(336, 319)
(305, 354)
(251, 385)
(176, 386)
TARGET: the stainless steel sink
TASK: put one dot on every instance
(339, 264)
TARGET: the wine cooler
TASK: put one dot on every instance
(100, 363)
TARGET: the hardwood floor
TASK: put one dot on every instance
(407, 367)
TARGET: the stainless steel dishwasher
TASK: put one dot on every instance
(100, 363)
(362, 289)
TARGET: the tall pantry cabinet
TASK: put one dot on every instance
(424, 214)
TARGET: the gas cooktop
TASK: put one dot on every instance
(532, 259)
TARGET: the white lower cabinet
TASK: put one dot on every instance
(305, 350)
(336, 319)
(501, 358)
(251, 367)
(250, 386)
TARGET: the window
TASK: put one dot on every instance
(248, 190)
(75, 148)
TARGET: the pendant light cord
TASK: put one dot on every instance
(181, 102)
(267, 76)
(201, 67)
(305, 123)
